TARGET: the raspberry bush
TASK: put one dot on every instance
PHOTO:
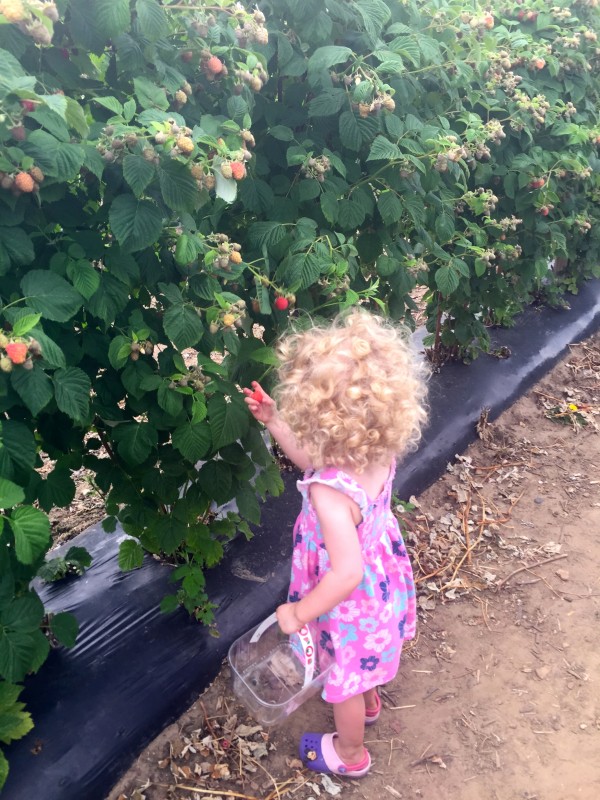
(173, 174)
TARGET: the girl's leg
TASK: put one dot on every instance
(370, 698)
(349, 719)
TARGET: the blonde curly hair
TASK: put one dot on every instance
(353, 393)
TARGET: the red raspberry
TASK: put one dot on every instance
(238, 170)
(214, 65)
(257, 395)
(17, 352)
(28, 105)
(281, 303)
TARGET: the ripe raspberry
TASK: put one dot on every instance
(281, 303)
(24, 182)
(257, 395)
(185, 145)
(13, 10)
(214, 65)
(227, 169)
(18, 133)
(539, 63)
(544, 211)
(27, 106)
(235, 258)
(238, 170)
(17, 352)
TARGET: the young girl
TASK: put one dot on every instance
(350, 400)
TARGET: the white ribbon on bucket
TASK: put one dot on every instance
(306, 641)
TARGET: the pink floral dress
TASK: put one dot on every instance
(365, 632)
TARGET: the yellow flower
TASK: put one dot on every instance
(572, 407)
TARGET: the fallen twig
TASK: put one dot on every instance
(501, 583)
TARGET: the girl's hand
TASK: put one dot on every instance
(261, 406)
(287, 619)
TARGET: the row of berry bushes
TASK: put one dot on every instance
(174, 174)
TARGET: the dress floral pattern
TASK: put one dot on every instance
(365, 632)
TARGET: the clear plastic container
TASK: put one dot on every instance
(273, 674)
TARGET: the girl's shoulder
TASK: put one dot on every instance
(363, 488)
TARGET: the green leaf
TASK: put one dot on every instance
(33, 386)
(389, 207)
(60, 160)
(50, 295)
(149, 94)
(178, 186)
(119, 351)
(444, 227)
(325, 57)
(192, 441)
(25, 324)
(113, 16)
(75, 118)
(152, 19)
(65, 628)
(111, 103)
(281, 132)
(84, 277)
(215, 480)
(350, 214)
(228, 418)
(58, 489)
(183, 326)
(131, 555)
(327, 103)
(350, 134)
(302, 270)
(247, 504)
(136, 440)
(137, 224)
(19, 443)
(186, 249)
(169, 532)
(15, 248)
(329, 206)
(447, 280)
(384, 150)
(31, 529)
(10, 494)
(138, 173)
(72, 390)
(14, 722)
(169, 400)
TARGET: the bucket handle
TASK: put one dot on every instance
(306, 641)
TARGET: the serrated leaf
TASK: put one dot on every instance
(168, 532)
(84, 277)
(183, 326)
(228, 418)
(31, 529)
(138, 173)
(60, 160)
(215, 480)
(25, 324)
(113, 16)
(33, 386)
(152, 19)
(178, 187)
(131, 555)
(350, 214)
(18, 442)
(15, 248)
(444, 227)
(137, 224)
(10, 494)
(390, 207)
(384, 150)
(58, 489)
(247, 504)
(192, 440)
(135, 441)
(14, 722)
(149, 94)
(350, 134)
(72, 391)
(282, 133)
(169, 400)
(447, 280)
(50, 295)
(65, 628)
(325, 57)
(327, 103)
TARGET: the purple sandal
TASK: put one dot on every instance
(319, 755)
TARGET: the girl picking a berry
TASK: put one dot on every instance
(350, 400)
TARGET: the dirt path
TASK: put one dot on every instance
(498, 698)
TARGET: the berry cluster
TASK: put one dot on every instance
(253, 30)
(194, 378)
(228, 253)
(316, 168)
(140, 348)
(255, 79)
(114, 148)
(18, 352)
(232, 317)
(537, 106)
(22, 182)
(25, 14)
